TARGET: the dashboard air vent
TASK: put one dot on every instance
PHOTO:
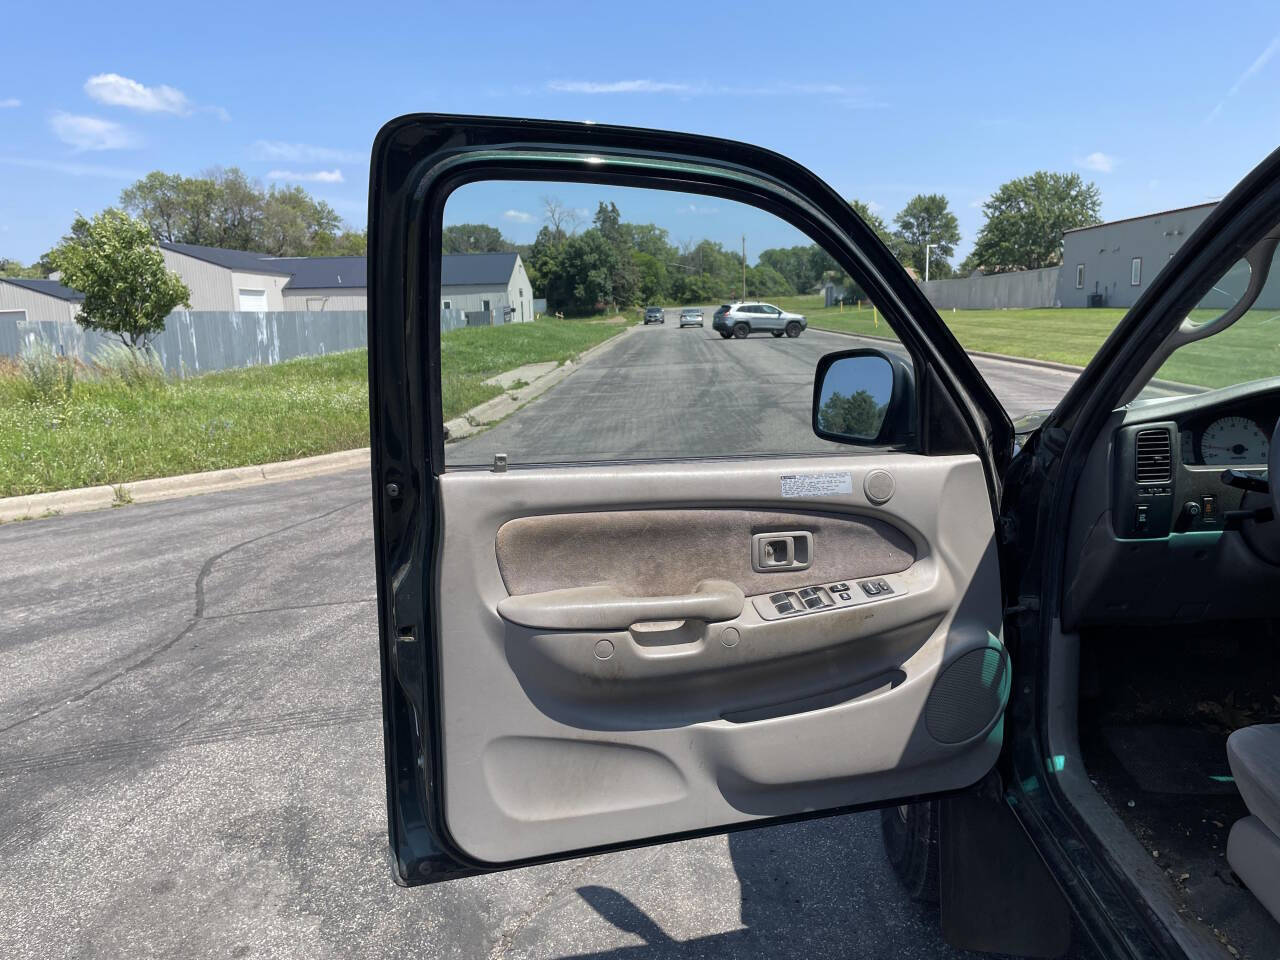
(1154, 461)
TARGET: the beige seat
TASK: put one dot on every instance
(1253, 848)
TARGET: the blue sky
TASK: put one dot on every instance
(1162, 104)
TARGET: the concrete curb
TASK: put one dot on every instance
(485, 415)
(171, 488)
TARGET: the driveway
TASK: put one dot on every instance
(191, 757)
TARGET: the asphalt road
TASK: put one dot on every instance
(191, 758)
(671, 392)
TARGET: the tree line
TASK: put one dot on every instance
(619, 264)
(225, 208)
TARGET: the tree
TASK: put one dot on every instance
(1026, 218)
(14, 268)
(856, 415)
(349, 243)
(562, 220)
(294, 224)
(874, 221)
(224, 208)
(113, 261)
(926, 220)
(474, 238)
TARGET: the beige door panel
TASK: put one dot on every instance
(622, 671)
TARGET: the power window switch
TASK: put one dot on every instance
(813, 603)
(883, 586)
(778, 598)
(784, 606)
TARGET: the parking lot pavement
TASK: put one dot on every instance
(190, 748)
(191, 766)
(672, 392)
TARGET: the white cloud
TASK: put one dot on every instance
(1252, 70)
(519, 216)
(856, 97)
(874, 207)
(91, 133)
(312, 176)
(10, 102)
(1099, 161)
(117, 91)
(618, 86)
(303, 153)
(693, 208)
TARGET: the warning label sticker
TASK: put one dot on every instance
(816, 484)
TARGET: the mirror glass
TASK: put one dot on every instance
(854, 396)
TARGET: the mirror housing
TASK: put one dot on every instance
(864, 397)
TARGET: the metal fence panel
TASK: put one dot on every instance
(1025, 289)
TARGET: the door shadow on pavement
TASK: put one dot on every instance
(821, 889)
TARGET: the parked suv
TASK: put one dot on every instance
(654, 315)
(740, 320)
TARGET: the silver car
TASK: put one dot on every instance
(741, 320)
(690, 317)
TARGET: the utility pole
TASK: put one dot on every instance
(744, 266)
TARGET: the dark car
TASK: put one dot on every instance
(654, 315)
(998, 641)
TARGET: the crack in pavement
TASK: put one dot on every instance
(197, 616)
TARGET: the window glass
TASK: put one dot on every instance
(588, 380)
(1135, 271)
(1247, 350)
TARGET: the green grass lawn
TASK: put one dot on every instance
(110, 433)
(1248, 350)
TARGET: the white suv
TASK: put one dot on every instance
(740, 320)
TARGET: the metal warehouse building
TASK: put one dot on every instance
(38, 301)
(488, 282)
(1110, 264)
(236, 280)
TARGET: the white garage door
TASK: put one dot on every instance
(254, 301)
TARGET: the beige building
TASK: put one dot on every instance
(494, 283)
(236, 280)
(23, 299)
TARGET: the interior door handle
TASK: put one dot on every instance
(604, 607)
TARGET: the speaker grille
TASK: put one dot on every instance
(968, 695)
(878, 486)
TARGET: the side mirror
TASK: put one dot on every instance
(864, 396)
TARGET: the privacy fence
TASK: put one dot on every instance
(999, 291)
(203, 341)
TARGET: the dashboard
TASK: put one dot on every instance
(1159, 530)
